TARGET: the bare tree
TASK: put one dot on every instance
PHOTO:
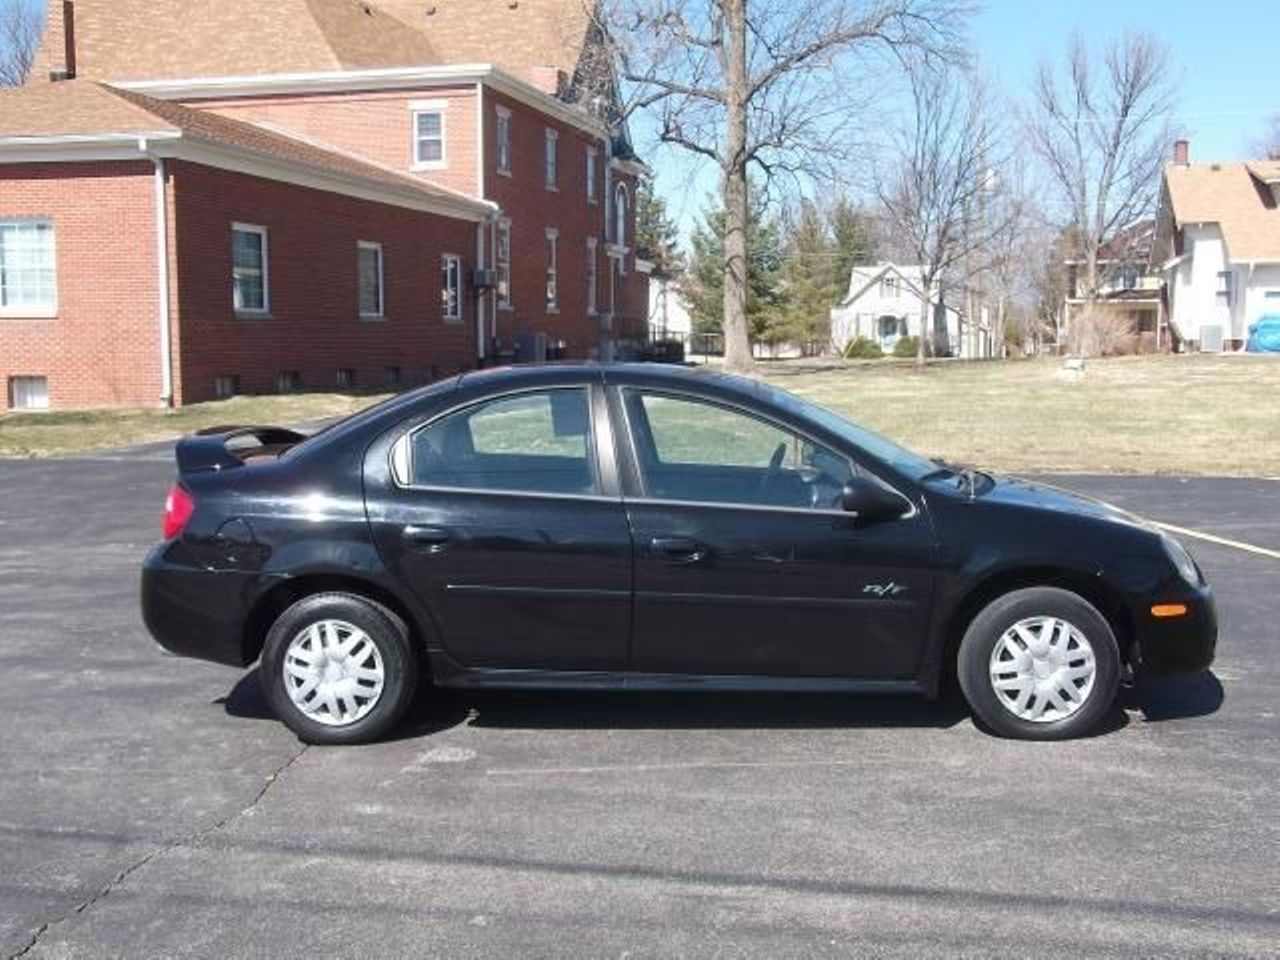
(1268, 145)
(20, 28)
(763, 85)
(935, 191)
(1101, 135)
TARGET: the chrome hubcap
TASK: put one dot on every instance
(1042, 669)
(333, 673)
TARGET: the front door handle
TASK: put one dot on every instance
(678, 549)
(434, 539)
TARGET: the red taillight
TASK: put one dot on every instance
(178, 507)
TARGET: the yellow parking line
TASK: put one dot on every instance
(1221, 541)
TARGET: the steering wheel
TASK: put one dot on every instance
(774, 469)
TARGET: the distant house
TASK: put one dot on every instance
(883, 304)
(1217, 248)
(668, 316)
(1128, 289)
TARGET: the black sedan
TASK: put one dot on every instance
(645, 527)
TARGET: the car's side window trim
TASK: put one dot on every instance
(400, 455)
(642, 495)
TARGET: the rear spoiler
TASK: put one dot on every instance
(223, 448)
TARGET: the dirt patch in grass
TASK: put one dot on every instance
(67, 432)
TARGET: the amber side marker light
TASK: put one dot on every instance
(1163, 610)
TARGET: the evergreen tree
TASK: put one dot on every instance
(703, 287)
(657, 236)
(812, 283)
(851, 234)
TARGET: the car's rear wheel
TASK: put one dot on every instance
(1040, 664)
(338, 670)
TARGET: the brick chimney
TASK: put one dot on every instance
(56, 58)
(1182, 152)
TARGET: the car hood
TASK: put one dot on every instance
(1016, 491)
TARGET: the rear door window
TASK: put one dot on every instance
(534, 442)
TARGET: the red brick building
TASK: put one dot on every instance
(357, 198)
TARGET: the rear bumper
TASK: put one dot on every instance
(1182, 644)
(194, 612)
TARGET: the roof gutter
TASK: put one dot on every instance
(163, 315)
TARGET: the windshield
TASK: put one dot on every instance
(899, 458)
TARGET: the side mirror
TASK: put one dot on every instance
(870, 502)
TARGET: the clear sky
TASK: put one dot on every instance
(1223, 54)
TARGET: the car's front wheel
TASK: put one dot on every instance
(1040, 664)
(337, 669)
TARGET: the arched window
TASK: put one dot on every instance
(620, 201)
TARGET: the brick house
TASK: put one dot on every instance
(358, 198)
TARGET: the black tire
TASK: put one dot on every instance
(384, 630)
(974, 663)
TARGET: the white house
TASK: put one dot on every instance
(884, 304)
(1218, 249)
(668, 315)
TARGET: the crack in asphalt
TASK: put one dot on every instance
(193, 837)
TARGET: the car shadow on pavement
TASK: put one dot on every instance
(1180, 697)
(1174, 698)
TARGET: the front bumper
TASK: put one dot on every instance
(196, 612)
(1182, 644)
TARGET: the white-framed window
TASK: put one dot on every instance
(621, 202)
(889, 287)
(451, 286)
(552, 150)
(592, 159)
(28, 393)
(591, 276)
(553, 270)
(503, 263)
(503, 136)
(1226, 281)
(428, 134)
(370, 270)
(28, 268)
(250, 269)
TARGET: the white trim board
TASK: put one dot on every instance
(351, 81)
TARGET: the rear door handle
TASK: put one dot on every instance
(678, 549)
(433, 538)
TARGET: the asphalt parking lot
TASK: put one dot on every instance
(150, 807)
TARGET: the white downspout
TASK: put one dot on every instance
(483, 296)
(162, 272)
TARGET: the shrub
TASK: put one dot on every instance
(1100, 333)
(906, 347)
(862, 348)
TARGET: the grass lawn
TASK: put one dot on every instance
(57, 432)
(1183, 415)
(1193, 414)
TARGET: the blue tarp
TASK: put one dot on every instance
(1264, 336)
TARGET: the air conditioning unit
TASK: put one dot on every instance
(1211, 339)
(484, 278)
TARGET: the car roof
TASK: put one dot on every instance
(649, 374)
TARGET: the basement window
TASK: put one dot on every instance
(288, 381)
(391, 376)
(227, 385)
(28, 393)
(28, 269)
(345, 378)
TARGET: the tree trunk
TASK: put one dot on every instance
(926, 322)
(737, 342)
